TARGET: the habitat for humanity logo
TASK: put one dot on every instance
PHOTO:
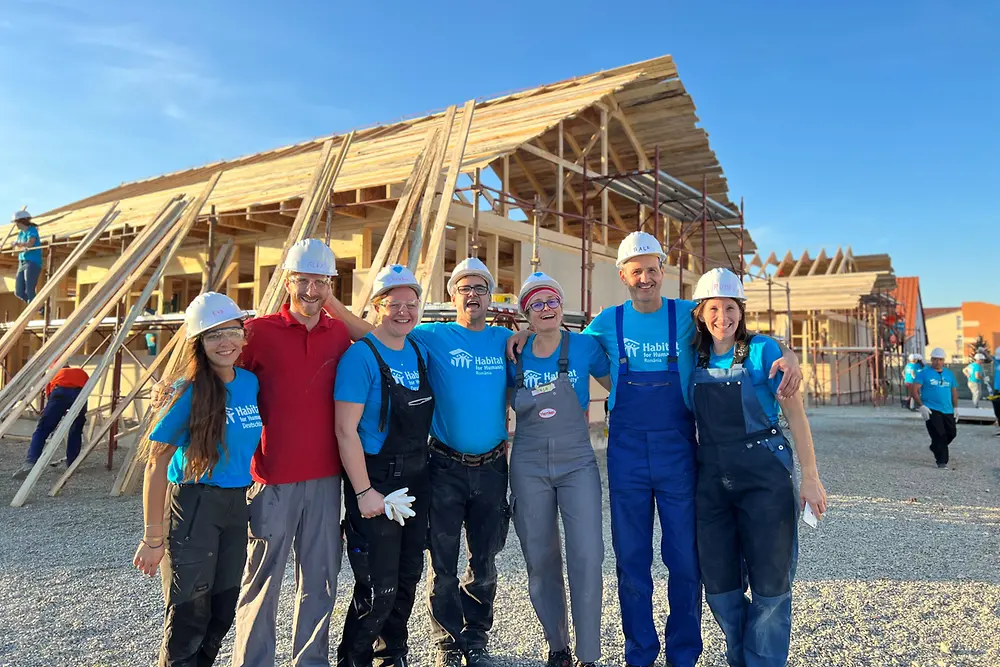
(410, 379)
(248, 415)
(487, 365)
(460, 358)
(533, 378)
(631, 347)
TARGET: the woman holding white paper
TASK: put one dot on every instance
(747, 504)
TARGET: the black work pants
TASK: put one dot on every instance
(476, 497)
(941, 428)
(387, 560)
(996, 403)
(201, 571)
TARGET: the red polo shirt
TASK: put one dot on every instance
(296, 369)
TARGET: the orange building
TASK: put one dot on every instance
(981, 319)
(957, 327)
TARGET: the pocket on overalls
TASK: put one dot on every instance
(357, 551)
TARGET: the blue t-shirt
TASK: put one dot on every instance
(764, 351)
(468, 372)
(586, 357)
(974, 368)
(910, 373)
(243, 429)
(359, 381)
(33, 255)
(996, 374)
(935, 389)
(646, 341)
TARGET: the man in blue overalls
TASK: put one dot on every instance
(651, 453)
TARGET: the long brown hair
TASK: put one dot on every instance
(703, 338)
(207, 424)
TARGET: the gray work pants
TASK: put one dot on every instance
(304, 516)
(549, 478)
(977, 392)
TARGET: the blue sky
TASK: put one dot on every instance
(870, 124)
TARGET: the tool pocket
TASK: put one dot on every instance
(357, 552)
(184, 503)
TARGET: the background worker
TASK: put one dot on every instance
(202, 445)
(468, 463)
(553, 473)
(995, 398)
(384, 408)
(747, 504)
(909, 377)
(974, 373)
(29, 260)
(61, 391)
(936, 395)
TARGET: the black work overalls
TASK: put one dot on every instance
(387, 558)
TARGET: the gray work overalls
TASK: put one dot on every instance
(553, 471)
(746, 510)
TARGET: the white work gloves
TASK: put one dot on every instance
(397, 506)
(925, 412)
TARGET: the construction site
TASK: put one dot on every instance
(549, 178)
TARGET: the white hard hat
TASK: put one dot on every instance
(980, 357)
(913, 357)
(393, 276)
(719, 283)
(919, 357)
(471, 266)
(311, 256)
(938, 353)
(637, 244)
(21, 215)
(536, 281)
(209, 310)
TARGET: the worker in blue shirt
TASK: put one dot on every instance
(974, 374)
(202, 445)
(384, 407)
(916, 362)
(747, 501)
(468, 462)
(936, 396)
(29, 260)
(651, 452)
(995, 397)
(553, 472)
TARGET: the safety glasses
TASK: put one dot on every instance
(395, 307)
(234, 334)
(466, 290)
(303, 283)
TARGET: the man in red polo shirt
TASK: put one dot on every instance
(295, 499)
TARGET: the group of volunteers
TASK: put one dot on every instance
(413, 418)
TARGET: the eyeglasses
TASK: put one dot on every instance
(466, 290)
(539, 306)
(234, 334)
(397, 306)
(302, 282)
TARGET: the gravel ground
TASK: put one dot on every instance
(905, 569)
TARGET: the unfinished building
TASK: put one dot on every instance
(552, 177)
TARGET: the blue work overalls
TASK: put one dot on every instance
(747, 508)
(651, 459)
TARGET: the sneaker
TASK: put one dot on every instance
(448, 658)
(561, 658)
(943, 466)
(22, 472)
(479, 657)
(55, 463)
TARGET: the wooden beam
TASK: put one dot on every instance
(560, 177)
(423, 228)
(604, 172)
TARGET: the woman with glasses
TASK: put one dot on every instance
(384, 407)
(553, 472)
(200, 455)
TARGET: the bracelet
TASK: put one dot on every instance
(358, 496)
(151, 546)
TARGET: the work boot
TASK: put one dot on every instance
(561, 658)
(22, 472)
(448, 658)
(479, 657)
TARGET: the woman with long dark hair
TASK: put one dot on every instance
(747, 504)
(200, 455)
